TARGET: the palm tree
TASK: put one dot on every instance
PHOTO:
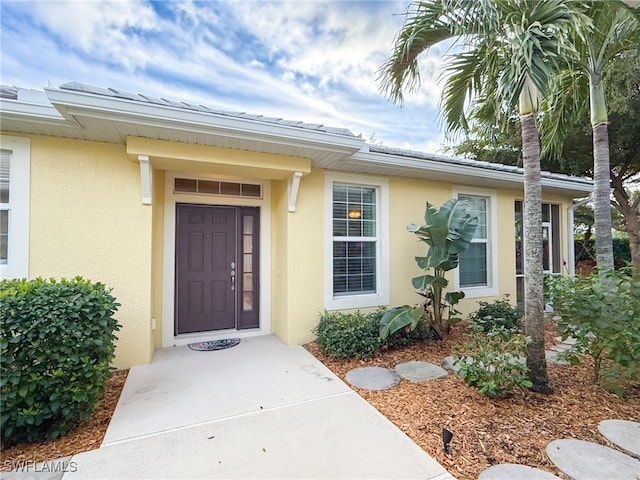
(614, 28)
(509, 51)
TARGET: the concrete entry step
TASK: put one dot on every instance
(512, 471)
(372, 378)
(415, 371)
(582, 460)
(622, 433)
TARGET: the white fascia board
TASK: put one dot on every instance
(73, 104)
(573, 186)
(32, 112)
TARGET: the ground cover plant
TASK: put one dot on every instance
(493, 361)
(604, 324)
(56, 345)
(499, 313)
(515, 429)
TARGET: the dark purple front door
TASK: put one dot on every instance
(216, 268)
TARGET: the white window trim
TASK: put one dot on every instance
(492, 287)
(382, 295)
(19, 195)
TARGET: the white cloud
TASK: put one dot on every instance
(308, 61)
(109, 29)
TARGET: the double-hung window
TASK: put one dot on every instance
(14, 206)
(477, 270)
(356, 257)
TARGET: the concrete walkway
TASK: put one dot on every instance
(261, 409)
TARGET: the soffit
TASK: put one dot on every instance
(376, 160)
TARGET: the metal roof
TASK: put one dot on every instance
(112, 92)
(466, 162)
(82, 111)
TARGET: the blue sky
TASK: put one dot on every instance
(313, 61)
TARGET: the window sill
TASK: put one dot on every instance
(478, 292)
(356, 301)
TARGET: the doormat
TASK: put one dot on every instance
(214, 345)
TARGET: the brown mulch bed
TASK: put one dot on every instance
(86, 437)
(487, 432)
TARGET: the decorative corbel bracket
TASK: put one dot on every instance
(292, 190)
(145, 179)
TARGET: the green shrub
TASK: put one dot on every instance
(499, 313)
(494, 361)
(605, 323)
(56, 343)
(347, 335)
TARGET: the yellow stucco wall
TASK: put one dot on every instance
(87, 219)
(298, 259)
(157, 254)
(279, 270)
(407, 198)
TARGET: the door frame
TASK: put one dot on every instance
(169, 339)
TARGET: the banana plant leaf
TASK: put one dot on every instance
(447, 231)
(398, 318)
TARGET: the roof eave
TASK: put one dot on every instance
(17, 110)
(468, 173)
(74, 105)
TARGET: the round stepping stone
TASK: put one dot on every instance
(420, 371)
(447, 363)
(582, 460)
(512, 471)
(552, 358)
(372, 378)
(623, 433)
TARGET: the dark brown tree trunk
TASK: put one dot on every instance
(629, 209)
(533, 279)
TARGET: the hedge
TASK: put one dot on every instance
(56, 345)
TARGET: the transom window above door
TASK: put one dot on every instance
(217, 187)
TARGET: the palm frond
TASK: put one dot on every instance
(560, 109)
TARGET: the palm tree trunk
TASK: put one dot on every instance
(533, 280)
(601, 198)
(601, 173)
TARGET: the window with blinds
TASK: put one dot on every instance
(5, 206)
(355, 239)
(474, 262)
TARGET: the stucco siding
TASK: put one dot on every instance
(279, 272)
(408, 200)
(305, 259)
(87, 219)
(157, 255)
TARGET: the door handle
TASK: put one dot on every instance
(233, 275)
